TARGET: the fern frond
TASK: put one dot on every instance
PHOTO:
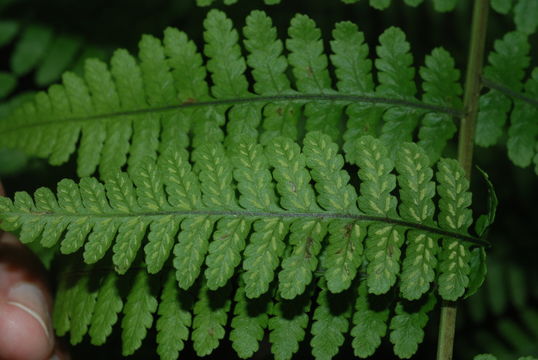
(525, 13)
(330, 322)
(454, 265)
(440, 87)
(146, 208)
(287, 324)
(407, 327)
(510, 97)
(224, 199)
(249, 322)
(174, 319)
(210, 317)
(138, 313)
(370, 325)
(418, 267)
(107, 306)
(119, 114)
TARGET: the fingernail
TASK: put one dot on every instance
(30, 299)
(54, 357)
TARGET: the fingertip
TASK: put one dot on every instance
(22, 337)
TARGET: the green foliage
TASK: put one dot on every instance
(406, 327)
(325, 222)
(271, 184)
(121, 113)
(510, 97)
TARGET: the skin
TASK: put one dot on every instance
(25, 305)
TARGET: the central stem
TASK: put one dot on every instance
(447, 324)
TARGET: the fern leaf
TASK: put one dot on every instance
(69, 200)
(523, 131)
(291, 176)
(107, 307)
(60, 313)
(183, 58)
(306, 235)
(229, 237)
(190, 251)
(81, 307)
(525, 14)
(330, 323)
(185, 191)
(128, 241)
(225, 251)
(165, 195)
(210, 317)
(93, 196)
(216, 175)
(161, 239)
(66, 135)
(75, 236)
(354, 73)
(507, 65)
(121, 195)
(31, 229)
(370, 325)
(227, 67)
(298, 267)
(262, 255)
(454, 215)
(309, 66)
(420, 261)
(160, 91)
(94, 140)
(138, 313)
(332, 183)
(336, 194)
(287, 325)
(344, 254)
(269, 71)
(128, 80)
(250, 320)
(384, 241)
(174, 319)
(151, 195)
(396, 79)
(441, 87)
(181, 185)
(120, 115)
(407, 327)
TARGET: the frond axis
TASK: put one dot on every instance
(348, 99)
(507, 91)
(285, 215)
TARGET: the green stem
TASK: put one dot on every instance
(447, 325)
(473, 85)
